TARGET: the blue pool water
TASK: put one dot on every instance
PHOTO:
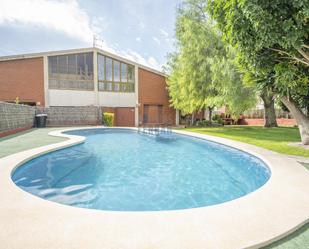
(126, 171)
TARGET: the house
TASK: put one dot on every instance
(88, 77)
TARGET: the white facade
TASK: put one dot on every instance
(71, 97)
(117, 99)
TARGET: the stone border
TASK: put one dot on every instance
(271, 212)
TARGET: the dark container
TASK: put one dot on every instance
(40, 120)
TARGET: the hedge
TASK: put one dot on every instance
(108, 119)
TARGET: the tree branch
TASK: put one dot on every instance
(305, 46)
(306, 56)
(292, 56)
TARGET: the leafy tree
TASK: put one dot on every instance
(271, 38)
(264, 87)
(202, 71)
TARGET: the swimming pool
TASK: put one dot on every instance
(121, 170)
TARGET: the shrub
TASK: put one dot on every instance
(203, 123)
(217, 118)
(108, 119)
(206, 123)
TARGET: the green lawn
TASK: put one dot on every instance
(276, 139)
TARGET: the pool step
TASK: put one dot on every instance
(154, 130)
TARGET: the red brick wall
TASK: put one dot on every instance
(23, 78)
(152, 90)
(123, 116)
(260, 121)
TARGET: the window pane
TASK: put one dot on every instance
(72, 64)
(89, 65)
(101, 67)
(130, 73)
(109, 69)
(116, 71)
(124, 77)
(81, 66)
(101, 86)
(63, 66)
(116, 87)
(109, 86)
(52, 64)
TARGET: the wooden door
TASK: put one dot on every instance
(153, 114)
(125, 116)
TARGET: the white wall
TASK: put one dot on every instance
(71, 98)
(83, 98)
(114, 99)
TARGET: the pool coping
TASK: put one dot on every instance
(261, 217)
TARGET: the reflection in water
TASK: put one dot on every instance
(123, 170)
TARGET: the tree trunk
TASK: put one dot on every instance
(210, 114)
(269, 109)
(206, 114)
(192, 119)
(301, 119)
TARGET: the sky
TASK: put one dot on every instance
(141, 30)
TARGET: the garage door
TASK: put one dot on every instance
(153, 114)
(125, 116)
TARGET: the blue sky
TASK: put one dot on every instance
(142, 30)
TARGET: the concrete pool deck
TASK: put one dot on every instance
(277, 208)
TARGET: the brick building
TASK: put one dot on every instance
(88, 77)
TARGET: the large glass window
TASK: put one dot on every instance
(117, 71)
(109, 69)
(101, 68)
(130, 73)
(124, 73)
(73, 71)
(114, 75)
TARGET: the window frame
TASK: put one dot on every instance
(124, 86)
(56, 82)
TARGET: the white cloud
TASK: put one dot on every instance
(135, 56)
(68, 17)
(163, 32)
(153, 63)
(138, 39)
(141, 25)
(99, 24)
(156, 40)
(131, 55)
(63, 16)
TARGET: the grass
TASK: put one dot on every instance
(276, 139)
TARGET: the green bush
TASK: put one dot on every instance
(203, 123)
(206, 123)
(217, 118)
(108, 119)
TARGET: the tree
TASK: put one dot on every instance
(202, 70)
(271, 38)
(264, 87)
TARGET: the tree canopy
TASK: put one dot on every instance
(271, 38)
(203, 70)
